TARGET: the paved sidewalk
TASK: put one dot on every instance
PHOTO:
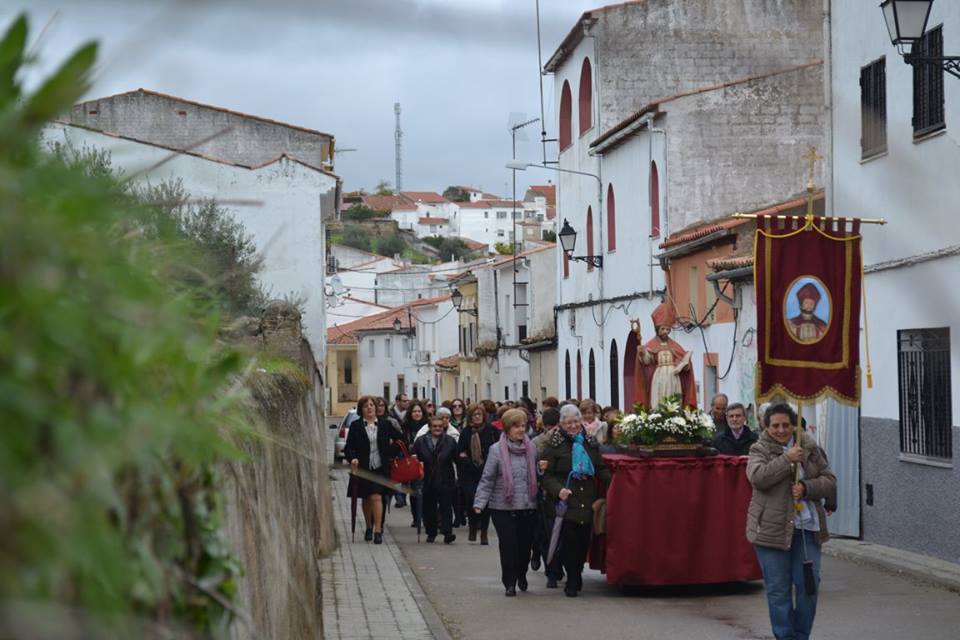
(914, 565)
(368, 590)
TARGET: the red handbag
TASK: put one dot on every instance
(405, 468)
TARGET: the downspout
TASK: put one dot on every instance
(828, 104)
(664, 226)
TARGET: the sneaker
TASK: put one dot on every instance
(551, 583)
(378, 538)
(449, 537)
(368, 535)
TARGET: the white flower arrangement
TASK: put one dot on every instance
(671, 421)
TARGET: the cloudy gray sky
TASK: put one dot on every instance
(460, 69)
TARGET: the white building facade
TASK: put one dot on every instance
(896, 156)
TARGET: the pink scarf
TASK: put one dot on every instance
(508, 448)
(592, 427)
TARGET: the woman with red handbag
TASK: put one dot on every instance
(370, 446)
(437, 451)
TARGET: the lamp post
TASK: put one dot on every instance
(906, 24)
(568, 234)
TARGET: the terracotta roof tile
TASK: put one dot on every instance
(426, 197)
(548, 191)
(347, 333)
(727, 263)
(388, 203)
(429, 220)
(448, 362)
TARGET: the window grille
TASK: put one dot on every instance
(923, 359)
(928, 85)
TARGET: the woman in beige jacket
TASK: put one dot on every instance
(786, 521)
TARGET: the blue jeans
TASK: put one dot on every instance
(783, 580)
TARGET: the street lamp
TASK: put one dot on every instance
(568, 240)
(457, 299)
(397, 325)
(906, 24)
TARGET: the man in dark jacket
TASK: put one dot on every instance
(437, 451)
(475, 441)
(737, 438)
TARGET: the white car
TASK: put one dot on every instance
(341, 440)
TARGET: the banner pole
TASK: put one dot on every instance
(797, 439)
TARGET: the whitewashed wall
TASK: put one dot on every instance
(287, 226)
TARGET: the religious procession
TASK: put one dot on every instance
(473, 320)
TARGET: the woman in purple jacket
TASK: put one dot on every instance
(508, 488)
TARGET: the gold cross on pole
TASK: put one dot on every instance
(811, 157)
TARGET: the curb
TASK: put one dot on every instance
(927, 569)
(430, 616)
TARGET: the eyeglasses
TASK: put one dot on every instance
(457, 406)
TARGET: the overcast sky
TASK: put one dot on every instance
(461, 69)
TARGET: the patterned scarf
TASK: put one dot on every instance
(581, 466)
(476, 450)
(508, 449)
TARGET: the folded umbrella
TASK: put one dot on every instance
(354, 491)
(555, 534)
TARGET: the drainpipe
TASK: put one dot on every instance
(828, 104)
(665, 211)
(601, 213)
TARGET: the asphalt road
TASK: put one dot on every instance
(462, 581)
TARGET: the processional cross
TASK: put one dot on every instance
(811, 157)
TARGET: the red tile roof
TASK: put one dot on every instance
(429, 220)
(388, 203)
(426, 197)
(702, 229)
(728, 263)
(347, 333)
(548, 191)
(448, 362)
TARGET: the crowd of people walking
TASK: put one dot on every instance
(540, 478)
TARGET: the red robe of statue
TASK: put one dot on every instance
(645, 373)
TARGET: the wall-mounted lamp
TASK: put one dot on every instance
(906, 24)
(568, 240)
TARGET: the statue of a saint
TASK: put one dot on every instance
(663, 366)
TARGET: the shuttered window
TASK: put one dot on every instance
(873, 108)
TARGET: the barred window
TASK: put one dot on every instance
(928, 85)
(873, 108)
(924, 373)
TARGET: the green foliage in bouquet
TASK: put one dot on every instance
(671, 420)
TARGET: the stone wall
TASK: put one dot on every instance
(179, 124)
(651, 50)
(279, 516)
(915, 506)
(740, 147)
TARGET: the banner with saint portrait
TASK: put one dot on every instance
(808, 275)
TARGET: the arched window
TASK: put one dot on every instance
(590, 237)
(614, 376)
(611, 219)
(654, 201)
(579, 376)
(566, 375)
(347, 371)
(585, 101)
(592, 376)
(566, 116)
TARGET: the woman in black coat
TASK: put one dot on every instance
(370, 446)
(437, 451)
(475, 440)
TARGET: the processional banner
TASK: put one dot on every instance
(808, 277)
